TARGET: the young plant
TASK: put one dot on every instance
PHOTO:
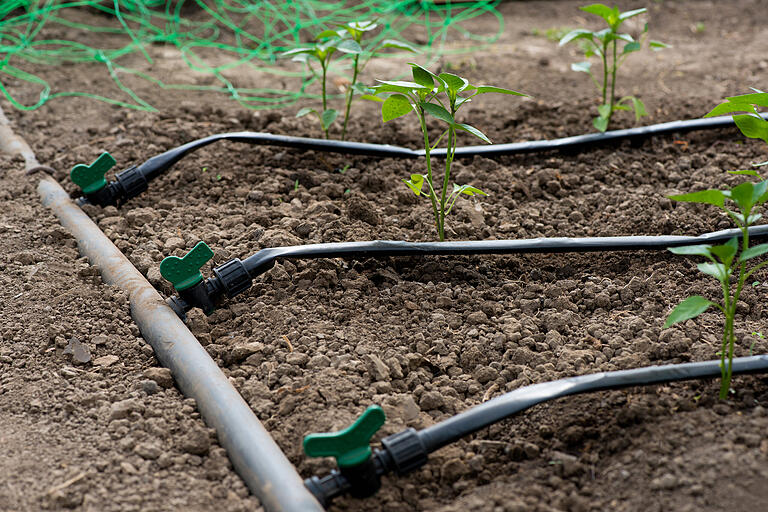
(347, 39)
(605, 44)
(752, 123)
(439, 96)
(726, 262)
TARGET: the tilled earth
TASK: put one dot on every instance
(315, 342)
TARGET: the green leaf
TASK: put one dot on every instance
(397, 86)
(639, 108)
(692, 250)
(371, 97)
(743, 195)
(415, 183)
(362, 26)
(468, 190)
(604, 111)
(400, 45)
(454, 83)
(438, 111)
(754, 252)
(601, 10)
(757, 98)
(395, 106)
(576, 34)
(729, 107)
(361, 88)
(483, 89)
(657, 45)
(328, 117)
(713, 197)
(631, 47)
(304, 111)
(325, 34)
(689, 308)
(746, 172)
(349, 46)
(726, 251)
(304, 49)
(623, 37)
(628, 14)
(583, 67)
(474, 131)
(601, 123)
(460, 101)
(422, 76)
(752, 127)
(716, 270)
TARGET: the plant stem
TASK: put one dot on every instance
(324, 65)
(605, 71)
(449, 154)
(613, 82)
(427, 148)
(350, 93)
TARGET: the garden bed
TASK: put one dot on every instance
(315, 342)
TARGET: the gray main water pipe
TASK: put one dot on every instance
(254, 454)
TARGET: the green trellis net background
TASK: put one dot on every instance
(211, 37)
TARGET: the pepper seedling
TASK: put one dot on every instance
(348, 39)
(440, 96)
(725, 262)
(604, 43)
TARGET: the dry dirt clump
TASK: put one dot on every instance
(315, 342)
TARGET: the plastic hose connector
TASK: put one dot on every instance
(132, 181)
(233, 277)
(406, 450)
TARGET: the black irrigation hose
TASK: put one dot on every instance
(266, 258)
(235, 276)
(134, 180)
(408, 450)
(504, 406)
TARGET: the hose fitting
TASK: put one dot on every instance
(360, 468)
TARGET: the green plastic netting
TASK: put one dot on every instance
(212, 38)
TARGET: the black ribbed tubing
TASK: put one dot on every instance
(502, 407)
(164, 161)
(265, 258)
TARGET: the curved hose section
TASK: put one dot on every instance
(266, 258)
(162, 162)
(502, 407)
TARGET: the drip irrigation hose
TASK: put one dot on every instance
(254, 454)
(408, 450)
(235, 276)
(134, 180)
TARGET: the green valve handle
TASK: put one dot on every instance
(90, 178)
(351, 446)
(184, 272)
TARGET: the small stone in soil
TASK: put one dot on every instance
(106, 360)
(78, 350)
(160, 375)
(196, 442)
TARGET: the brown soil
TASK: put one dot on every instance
(313, 343)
